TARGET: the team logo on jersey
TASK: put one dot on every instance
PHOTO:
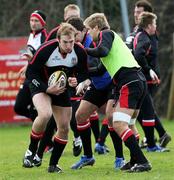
(74, 60)
(56, 58)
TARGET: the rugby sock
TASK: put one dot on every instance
(117, 142)
(148, 127)
(95, 127)
(159, 127)
(73, 125)
(104, 132)
(34, 140)
(129, 139)
(59, 145)
(85, 134)
(47, 137)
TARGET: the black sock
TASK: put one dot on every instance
(47, 137)
(159, 127)
(117, 142)
(95, 129)
(34, 140)
(149, 133)
(137, 155)
(103, 134)
(85, 134)
(73, 123)
(58, 148)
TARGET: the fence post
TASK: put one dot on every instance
(170, 111)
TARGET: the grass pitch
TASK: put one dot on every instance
(14, 142)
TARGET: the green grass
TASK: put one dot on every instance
(14, 141)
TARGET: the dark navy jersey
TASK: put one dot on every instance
(48, 59)
(147, 47)
(52, 34)
(145, 53)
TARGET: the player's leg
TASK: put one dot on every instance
(164, 137)
(129, 101)
(94, 121)
(92, 100)
(77, 143)
(100, 146)
(82, 116)
(46, 141)
(42, 102)
(116, 140)
(62, 112)
(62, 117)
(23, 103)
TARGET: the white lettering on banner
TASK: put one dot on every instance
(10, 57)
(7, 102)
(16, 63)
(10, 64)
(8, 93)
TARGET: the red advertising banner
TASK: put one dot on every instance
(10, 64)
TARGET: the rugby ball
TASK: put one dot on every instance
(59, 78)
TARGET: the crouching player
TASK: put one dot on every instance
(54, 55)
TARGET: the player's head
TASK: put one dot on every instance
(141, 6)
(147, 21)
(66, 36)
(71, 10)
(80, 27)
(37, 20)
(95, 23)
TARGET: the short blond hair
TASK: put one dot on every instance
(97, 19)
(146, 18)
(66, 29)
(72, 7)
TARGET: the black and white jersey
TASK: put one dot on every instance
(48, 59)
(36, 39)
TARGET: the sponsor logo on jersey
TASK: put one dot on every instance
(56, 58)
(74, 60)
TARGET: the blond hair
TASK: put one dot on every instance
(72, 7)
(66, 29)
(97, 19)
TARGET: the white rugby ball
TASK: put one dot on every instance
(59, 78)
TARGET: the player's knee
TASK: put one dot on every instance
(80, 116)
(109, 116)
(45, 115)
(64, 129)
(120, 121)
